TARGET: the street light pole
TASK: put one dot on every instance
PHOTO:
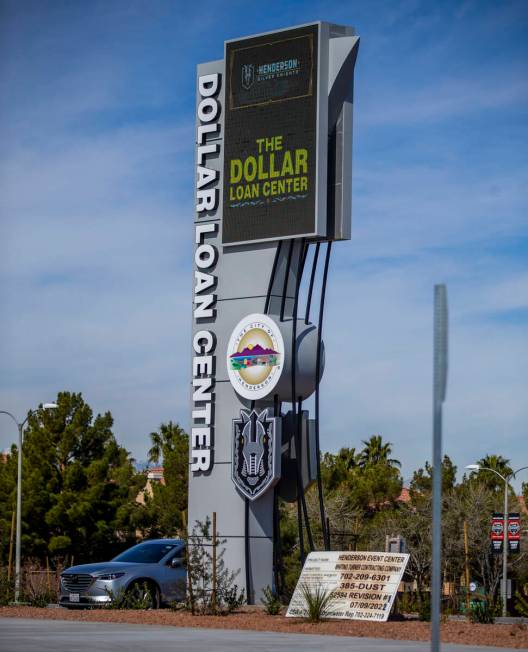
(18, 537)
(505, 479)
(505, 553)
(18, 544)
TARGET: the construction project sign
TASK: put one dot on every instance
(363, 585)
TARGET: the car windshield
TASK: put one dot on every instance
(145, 553)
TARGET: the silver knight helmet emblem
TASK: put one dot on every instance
(248, 75)
(256, 452)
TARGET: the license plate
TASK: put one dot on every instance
(74, 597)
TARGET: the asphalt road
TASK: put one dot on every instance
(24, 635)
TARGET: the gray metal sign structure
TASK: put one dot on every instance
(273, 185)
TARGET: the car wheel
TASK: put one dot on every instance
(146, 593)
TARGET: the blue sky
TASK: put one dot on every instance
(96, 206)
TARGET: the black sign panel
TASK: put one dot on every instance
(270, 136)
(514, 532)
(497, 532)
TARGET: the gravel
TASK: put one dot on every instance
(507, 636)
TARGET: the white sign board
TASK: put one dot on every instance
(363, 584)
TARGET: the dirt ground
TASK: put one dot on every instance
(508, 636)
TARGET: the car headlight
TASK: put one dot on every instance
(110, 576)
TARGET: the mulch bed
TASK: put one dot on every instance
(508, 636)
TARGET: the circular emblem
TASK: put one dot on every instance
(514, 527)
(497, 528)
(255, 356)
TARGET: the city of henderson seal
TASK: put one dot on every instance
(255, 356)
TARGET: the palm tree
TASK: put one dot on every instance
(376, 452)
(168, 499)
(164, 441)
(497, 463)
(347, 458)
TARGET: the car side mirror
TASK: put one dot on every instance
(176, 562)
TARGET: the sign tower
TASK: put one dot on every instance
(273, 191)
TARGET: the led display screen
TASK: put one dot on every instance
(270, 136)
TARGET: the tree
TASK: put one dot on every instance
(79, 485)
(422, 480)
(211, 589)
(8, 478)
(474, 502)
(357, 494)
(336, 469)
(376, 452)
(414, 523)
(496, 462)
(170, 444)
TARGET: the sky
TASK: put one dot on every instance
(96, 210)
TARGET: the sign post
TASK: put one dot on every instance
(439, 394)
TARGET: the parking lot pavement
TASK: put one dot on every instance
(24, 635)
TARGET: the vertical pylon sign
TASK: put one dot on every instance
(273, 159)
(439, 394)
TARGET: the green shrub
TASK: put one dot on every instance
(230, 599)
(140, 597)
(424, 608)
(7, 588)
(271, 602)
(407, 602)
(521, 604)
(38, 587)
(317, 600)
(482, 612)
(41, 599)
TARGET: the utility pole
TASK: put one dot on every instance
(505, 553)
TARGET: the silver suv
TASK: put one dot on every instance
(153, 571)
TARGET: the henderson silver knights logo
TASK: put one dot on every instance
(256, 452)
(248, 75)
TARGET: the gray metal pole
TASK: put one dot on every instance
(18, 545)
(505, 553)
(20, 427)
(439, 393)
(18, 514)
(436, 583)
